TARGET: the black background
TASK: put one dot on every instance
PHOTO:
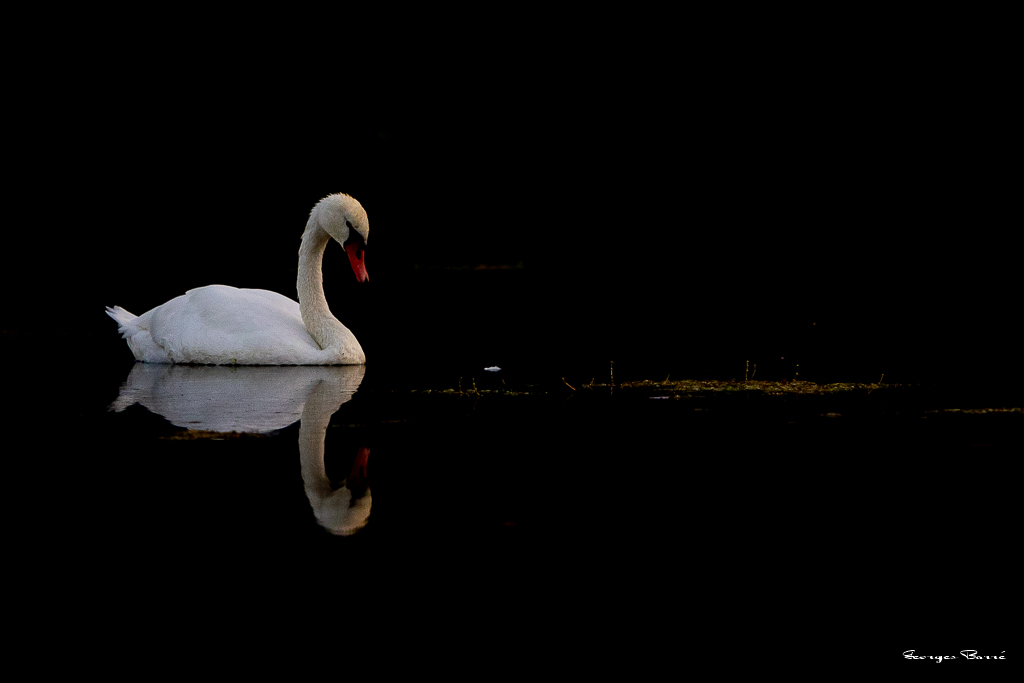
(838, 208)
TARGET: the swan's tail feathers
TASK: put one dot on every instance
(124, 319)
(135, 331)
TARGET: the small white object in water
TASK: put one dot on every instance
(493, 368)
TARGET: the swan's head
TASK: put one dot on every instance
(344, 219)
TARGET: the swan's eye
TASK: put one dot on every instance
(354, 236)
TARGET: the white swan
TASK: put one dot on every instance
(220, 325)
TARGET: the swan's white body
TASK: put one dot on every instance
(220, 325)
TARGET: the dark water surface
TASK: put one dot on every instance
(589, 504)
(519, 504)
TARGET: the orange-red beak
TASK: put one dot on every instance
(355, 257)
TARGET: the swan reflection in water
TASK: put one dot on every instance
(260, 400)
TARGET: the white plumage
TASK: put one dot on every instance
(221, 325)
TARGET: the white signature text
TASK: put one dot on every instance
(965, 654)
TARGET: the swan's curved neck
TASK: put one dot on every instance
(316, 315)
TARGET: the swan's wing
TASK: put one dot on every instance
(223, 325)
